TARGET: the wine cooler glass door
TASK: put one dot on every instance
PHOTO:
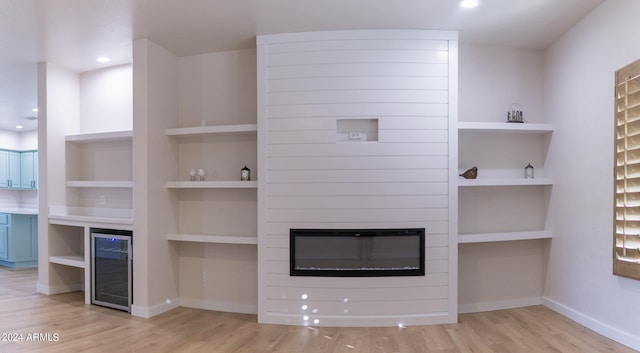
(111, 264)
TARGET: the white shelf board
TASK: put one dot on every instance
(100, 183)
(100, 137)
(242, 129)
(91, 221)
(212, 184)
(505, 182)
(73, 261)
(507, 236)
(528, 128)
(211, 238)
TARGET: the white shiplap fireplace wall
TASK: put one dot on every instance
(308, 84)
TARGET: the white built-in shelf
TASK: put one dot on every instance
(210, 238)
(91, 221)
(73, 261)
(505, 182)
(212, 184)
(507, 236)
(529, 128)
(100, 137)
(100, 183)
(242, 129)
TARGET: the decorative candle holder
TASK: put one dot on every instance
(245, 174)
(514, 113)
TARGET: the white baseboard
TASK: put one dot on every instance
(219, 306)
(49, 290)
(498, 305)
(613, 333)
(147, 312)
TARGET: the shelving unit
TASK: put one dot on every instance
(212, 184)
(91, 221)
(124, 184)
(505, 182)
(100, 137)
(506, 236)
(71, 250)
(240, 129)
(198, 152)
(503, 175)
(507, 128)
(214, 239)
(73, 261)
(99, 169)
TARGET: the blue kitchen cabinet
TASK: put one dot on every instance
(9, 169)
(29, 170)
(4, 236)
(18, 240)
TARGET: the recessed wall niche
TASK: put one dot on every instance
(356, 130)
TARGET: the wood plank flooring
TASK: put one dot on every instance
(63, 323)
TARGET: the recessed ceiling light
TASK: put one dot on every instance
(35, 110)
(103, 59)
(18, 126)
(469, 4)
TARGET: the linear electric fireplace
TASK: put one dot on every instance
(357, 252)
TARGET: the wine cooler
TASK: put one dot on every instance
(111, 266)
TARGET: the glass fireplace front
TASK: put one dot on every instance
(357, 252)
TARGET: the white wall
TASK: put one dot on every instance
(493, 77)
(29, 140)
(155, 99)
(579, 86)
(218, 88)
(10, 140)
(106, 99)
(19, 141)
(58, 93)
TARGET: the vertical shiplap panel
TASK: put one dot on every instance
(308, 81)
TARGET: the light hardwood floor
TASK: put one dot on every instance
(72, 326)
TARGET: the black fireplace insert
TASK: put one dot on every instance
(357, 252)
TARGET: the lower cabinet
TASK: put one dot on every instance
(4, 242)
(18, 240)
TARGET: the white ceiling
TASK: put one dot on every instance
(73, 33)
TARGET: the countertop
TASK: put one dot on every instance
(16, 210)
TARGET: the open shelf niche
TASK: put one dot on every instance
(500, 200)
(502, 215)
(99, 185)
(220, 151)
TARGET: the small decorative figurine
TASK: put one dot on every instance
(245, 174)
(470, 173)
(528, 171)
(193, 174)
(201, 174)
